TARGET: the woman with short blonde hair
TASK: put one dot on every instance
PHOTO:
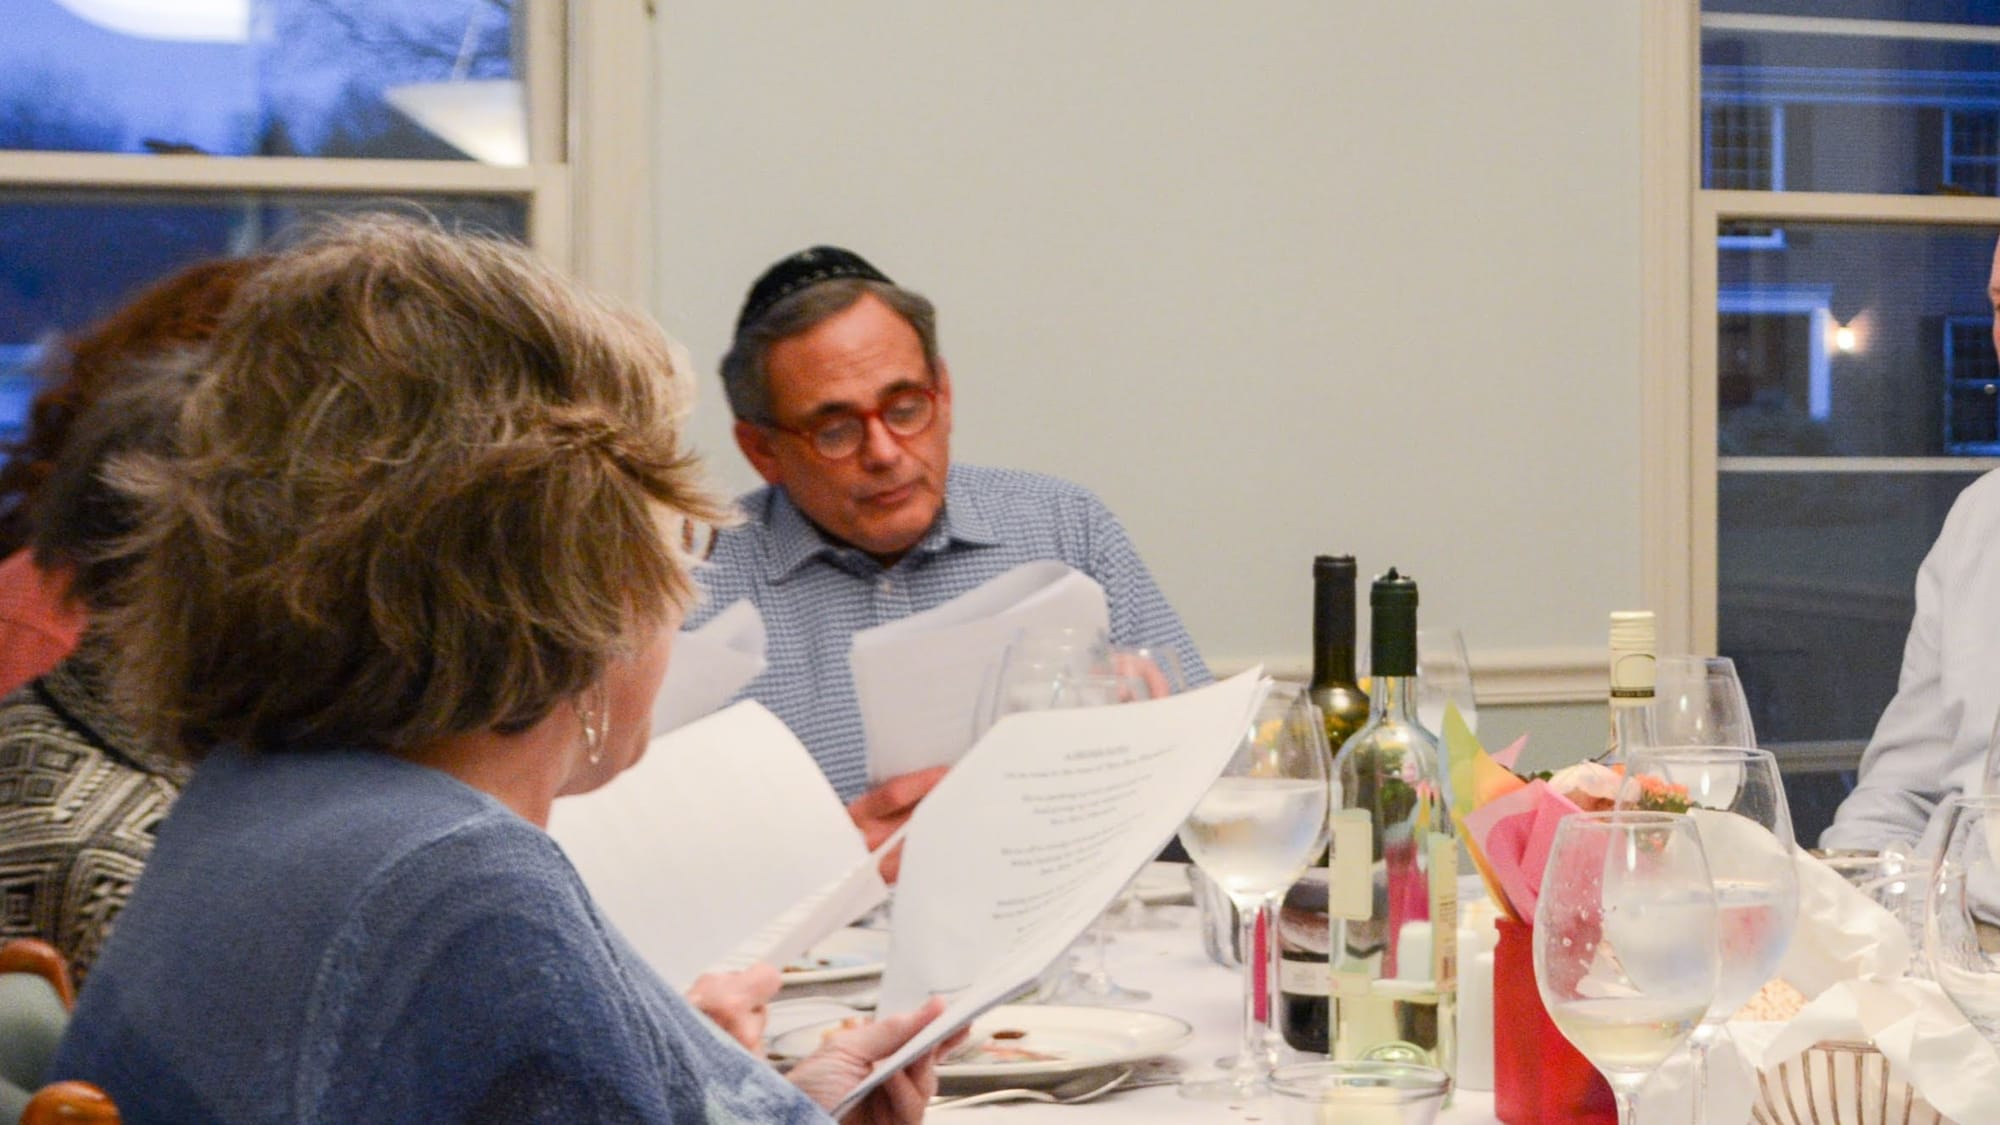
(409, 577)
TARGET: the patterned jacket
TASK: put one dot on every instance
(79, 804)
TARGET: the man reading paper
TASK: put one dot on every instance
(843, 406)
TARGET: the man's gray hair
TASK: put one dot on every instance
(745, 379)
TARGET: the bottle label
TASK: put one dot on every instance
(1632, 675)
(1444, 911)
(1304, 978)
(1350, 891)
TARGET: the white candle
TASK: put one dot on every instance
(1476, 939)
(1413, 952)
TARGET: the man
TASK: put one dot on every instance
(843, 405)
(1931, 742)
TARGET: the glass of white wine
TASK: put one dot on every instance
(1254, 832)
(1625, 941)
(1737, 800)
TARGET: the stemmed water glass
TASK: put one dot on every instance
(1736, 799)
(1625, 941)
(1254, 832)
(1699, 701)
(1962, 911)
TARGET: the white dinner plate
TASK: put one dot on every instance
(848, 954)
(1053, 1042)
(1163, 884)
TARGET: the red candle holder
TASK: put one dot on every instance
(1538, 1078)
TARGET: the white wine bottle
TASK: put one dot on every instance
(1634, 637)
(1392, 895)
(1302, 923)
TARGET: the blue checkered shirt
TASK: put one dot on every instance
(816, 594)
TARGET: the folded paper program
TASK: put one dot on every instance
(951, 650)
(728, 821)
(709, 666)
(1036, 831)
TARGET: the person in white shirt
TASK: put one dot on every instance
(1930, 743)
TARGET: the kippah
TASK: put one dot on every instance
(803, 269)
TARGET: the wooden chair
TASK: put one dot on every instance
(36, 995)
(70, 1103)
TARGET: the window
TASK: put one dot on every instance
(1971, 386)
(1743, 149)
(1972, 150)
(17, 387)
(133, 143)
(1815, 413)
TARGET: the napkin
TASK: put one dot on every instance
(1515, 833)
(1842, 933)
(1921, 1033)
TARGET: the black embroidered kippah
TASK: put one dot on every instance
(807, 267)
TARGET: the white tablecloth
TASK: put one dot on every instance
(1169, 963)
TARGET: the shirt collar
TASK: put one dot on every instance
(79, 689)
(796, 542)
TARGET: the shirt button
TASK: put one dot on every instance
(885, 585)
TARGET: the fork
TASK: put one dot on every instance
(1085, 1087)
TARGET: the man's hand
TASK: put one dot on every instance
(828, 1074)
(737, 1002)
(883, 809)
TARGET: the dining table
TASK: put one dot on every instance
(1165, 958)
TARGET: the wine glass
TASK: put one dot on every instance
(1962, 912)
(1989, 775)
(1444, 675)
(1027, 673)
(1625, 941)
(1047, 668)
(1736, 798)
(1254, 832)
(1699, 701)
(1160, 674)
(1094, 985)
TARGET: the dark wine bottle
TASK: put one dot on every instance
(1303, 978)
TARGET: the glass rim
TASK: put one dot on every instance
(1616, 818)
(1692, 658)
(1324, 1079)
(1699, 753)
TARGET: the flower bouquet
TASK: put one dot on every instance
(1508, 824)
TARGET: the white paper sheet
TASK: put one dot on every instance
(724, 828)
(950, 650)
(1034, 833)
(707, 666)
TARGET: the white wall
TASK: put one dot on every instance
(1274, 277)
